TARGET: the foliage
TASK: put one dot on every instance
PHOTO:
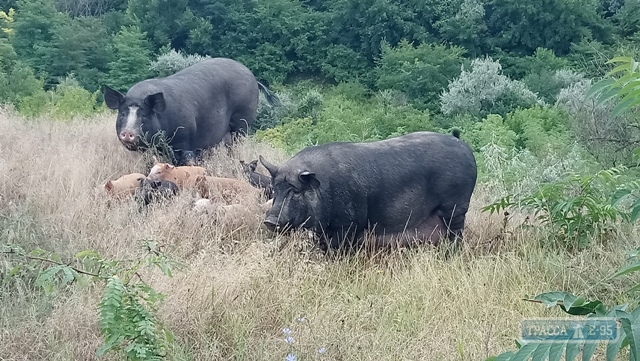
(580, 208)
(70, 100)
(173, 61)
(543, 73)
(6, 20)
(342, 119)
(628, 317)
(291, 136)
(485, 90)
(626, 88)
(559, 23)
(80, 47)
(132, 59)
(610, 139)
(491, 130)
(540, 129)
(466, 27)
(128, 308)
(19, 82)
(419, 72)
(34, 28)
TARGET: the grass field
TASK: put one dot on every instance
(242, 286)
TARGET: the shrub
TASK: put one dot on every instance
(172, 61)
(70, 100)
(579, 208)
(485, 90)
(491, 130)
(291, 136)
(420, 72)
(540, 129)
(610, 139)
(129, 306)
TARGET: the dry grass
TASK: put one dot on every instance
(242, 286)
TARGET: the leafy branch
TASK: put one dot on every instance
(128, 308)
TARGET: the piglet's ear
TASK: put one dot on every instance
(108, 186)
(310, 179)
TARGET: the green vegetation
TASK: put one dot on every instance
(548, 103)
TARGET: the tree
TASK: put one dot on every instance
(35, 25)
(164, 21)
(523, 26)
(420, 72)
(466, 28)
(485, 90)
(363, 25)
(132, 55)
(80, 47)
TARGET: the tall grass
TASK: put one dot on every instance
(243, 286)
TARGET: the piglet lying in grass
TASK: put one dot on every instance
(183, 177)
(227, 189)
(153, 191)
(124, 186)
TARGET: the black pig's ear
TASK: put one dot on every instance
(112, 97)
(273, 169)
(156, 102)
(310, 179)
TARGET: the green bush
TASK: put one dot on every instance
(17, 83)
(540, 129)
(343, 119)
(420, 72)
(128, 309)
(35, 104)
(71, 100)
(485, 90)
(491, 130)
(580, 208)
(291, 136)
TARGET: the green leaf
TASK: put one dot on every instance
(624, 106)
(555, 351)
(504, 357)
(632, 331)
(606, 95)
(541, 352)
(69, 275)
(635, 214)
(613, 348)
(619, 194)
(599, 87)
(588, 350)
(87, 253)
(626, 270)
(524, 352)
(572, 351)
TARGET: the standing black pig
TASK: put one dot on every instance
(412, 187)
(197, 107)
